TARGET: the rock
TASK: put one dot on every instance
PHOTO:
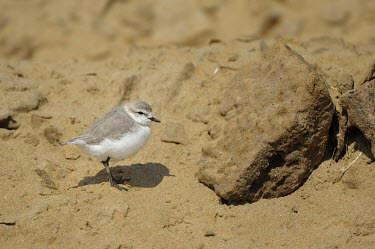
(360, 105)
(342, 123)
(334, 57)
(276, 116)
(174, 133)
(340, 120)
(52, 134)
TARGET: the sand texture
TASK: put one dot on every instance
(267, 125)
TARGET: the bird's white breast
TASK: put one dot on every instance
(129, 144)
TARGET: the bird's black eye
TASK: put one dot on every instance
(141, 113)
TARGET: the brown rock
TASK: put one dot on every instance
(277, 116)
(360, 105)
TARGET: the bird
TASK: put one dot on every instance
(118, 134)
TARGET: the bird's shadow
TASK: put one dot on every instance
(147, 175)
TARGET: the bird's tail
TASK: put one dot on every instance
(70, 141)
(75, 141)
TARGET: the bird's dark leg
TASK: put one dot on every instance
(114, 182)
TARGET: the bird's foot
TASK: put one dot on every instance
(120, 180)
(115, 183)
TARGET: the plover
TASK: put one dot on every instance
(120, 133)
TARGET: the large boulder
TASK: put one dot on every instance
(360, 105)
(275, 117)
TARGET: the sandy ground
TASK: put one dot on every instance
(78, 60)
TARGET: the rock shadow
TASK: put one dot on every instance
(147, 175)
(361, 143)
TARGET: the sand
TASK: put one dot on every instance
(63, 64)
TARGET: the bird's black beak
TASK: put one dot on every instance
(154, 119)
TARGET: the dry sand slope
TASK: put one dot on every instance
(83, 60)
